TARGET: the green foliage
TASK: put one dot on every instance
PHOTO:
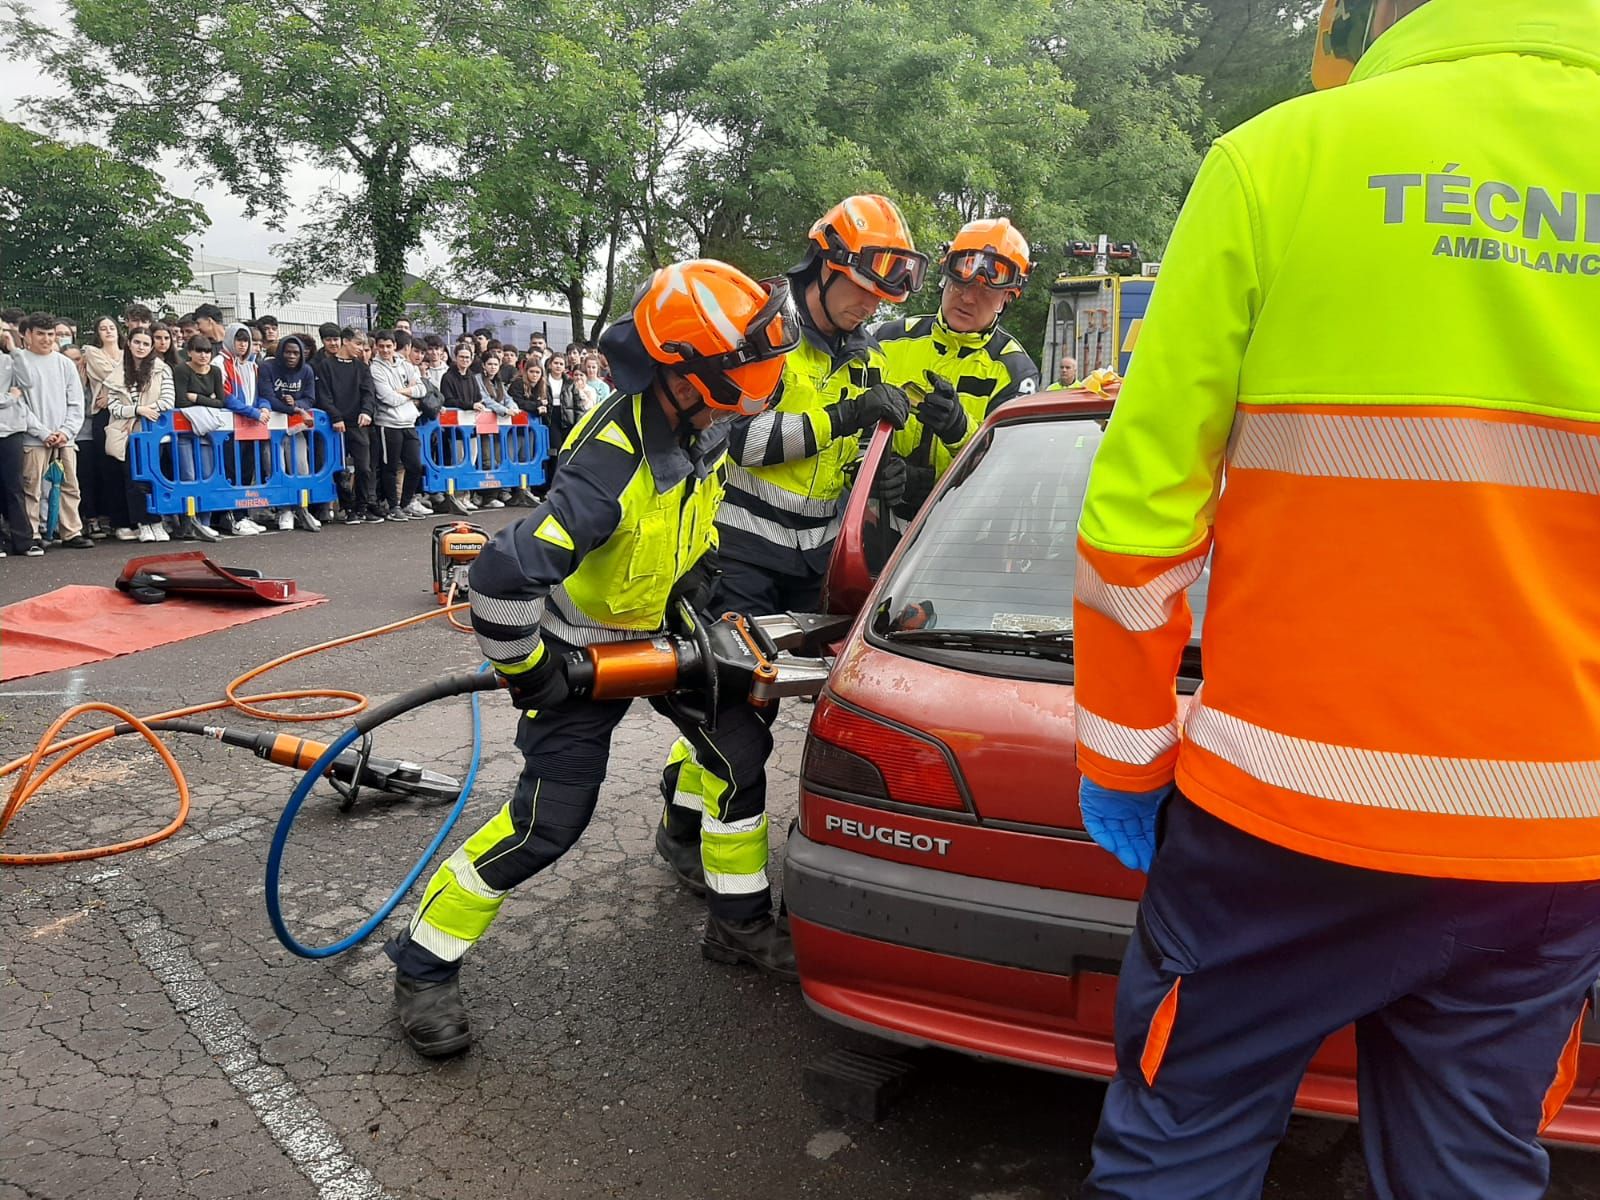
(81, 224)
(1250, 54)
(549, 190)
(377, 88)
(570, 146)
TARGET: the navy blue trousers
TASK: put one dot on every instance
(1464, 996)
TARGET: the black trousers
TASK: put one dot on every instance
(744, 588)
(100, 476)
(12, 495)
(136, 496)
(565, 753)
(401, 448)
(358, 486)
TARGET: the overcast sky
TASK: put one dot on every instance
(231, 234)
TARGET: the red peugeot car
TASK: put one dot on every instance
(940, 886)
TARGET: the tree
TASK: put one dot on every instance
(1063, 114)
(84, 231)
(381, 89)
(1251, 54)
(550, 197)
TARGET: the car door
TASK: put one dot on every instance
(867, 535)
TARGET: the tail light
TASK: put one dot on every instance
(852, 752)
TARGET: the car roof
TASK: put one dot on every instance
(1065, 402)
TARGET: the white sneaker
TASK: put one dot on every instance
(146, 533)
(303, 518)
(244, 525)
(468, 503)
(160, 531)
(124, 534)
(418, 509)
(285, 520)
(493, 502)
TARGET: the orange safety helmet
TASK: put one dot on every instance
(723, 331)
(990, 251)
(867, 238)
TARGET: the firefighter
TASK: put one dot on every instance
(960, 359)
(1383, 807)
(788, 467)
(601, 559)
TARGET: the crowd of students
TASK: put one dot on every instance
(76, 405)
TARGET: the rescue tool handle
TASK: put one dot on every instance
(458, 684)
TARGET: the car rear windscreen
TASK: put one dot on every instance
(998, 548)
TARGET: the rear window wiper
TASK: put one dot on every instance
(1055, 644)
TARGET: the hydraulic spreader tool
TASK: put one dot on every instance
(708, 665)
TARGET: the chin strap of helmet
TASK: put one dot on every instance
(686, 414)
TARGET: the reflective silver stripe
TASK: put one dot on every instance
(715, 828)
(1125, 743)
(1454, 449)
(1141, 608)
(466, 874)
(516, 613)
(756, 436)
(770, 493)
(436, 941)
(794, 436)
(734, 517)
(1468, 787)
(508, 652)
(736, 885)
(566, 621)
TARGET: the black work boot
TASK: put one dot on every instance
(431, 1015)
(758, 943)
(683, 857)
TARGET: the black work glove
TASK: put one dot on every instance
(860, 414)
(698, 585)
(889, 485)
(543, 685)
(941, 411)
(919, 482)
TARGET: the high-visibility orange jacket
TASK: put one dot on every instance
(1368, 387)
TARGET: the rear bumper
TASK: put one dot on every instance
(986, 921)
(1003, 971)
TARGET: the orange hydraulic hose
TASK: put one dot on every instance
(63, 752)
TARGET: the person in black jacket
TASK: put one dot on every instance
(344, 392)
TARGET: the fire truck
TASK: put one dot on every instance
(1096, 317)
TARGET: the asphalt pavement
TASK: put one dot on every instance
(157, 1041)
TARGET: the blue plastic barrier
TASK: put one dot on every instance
(189, 472)
(454, 449)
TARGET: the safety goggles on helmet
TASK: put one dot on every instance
(892, 271)
(1344, 31)
(734, 377)
(986, 267)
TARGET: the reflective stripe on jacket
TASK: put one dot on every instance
(1376, 322)
(629, 511)
(786, 469)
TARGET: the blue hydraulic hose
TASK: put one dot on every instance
(280, 838)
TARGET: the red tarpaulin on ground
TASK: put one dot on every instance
(79, 624)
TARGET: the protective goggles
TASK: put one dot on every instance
(1344, 31)
(896, 271)
(771, 333)
(985, 267)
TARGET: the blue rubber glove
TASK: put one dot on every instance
(1122, 822)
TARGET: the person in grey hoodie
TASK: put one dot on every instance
(398, 386)
(54, 414)
(15, 380)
